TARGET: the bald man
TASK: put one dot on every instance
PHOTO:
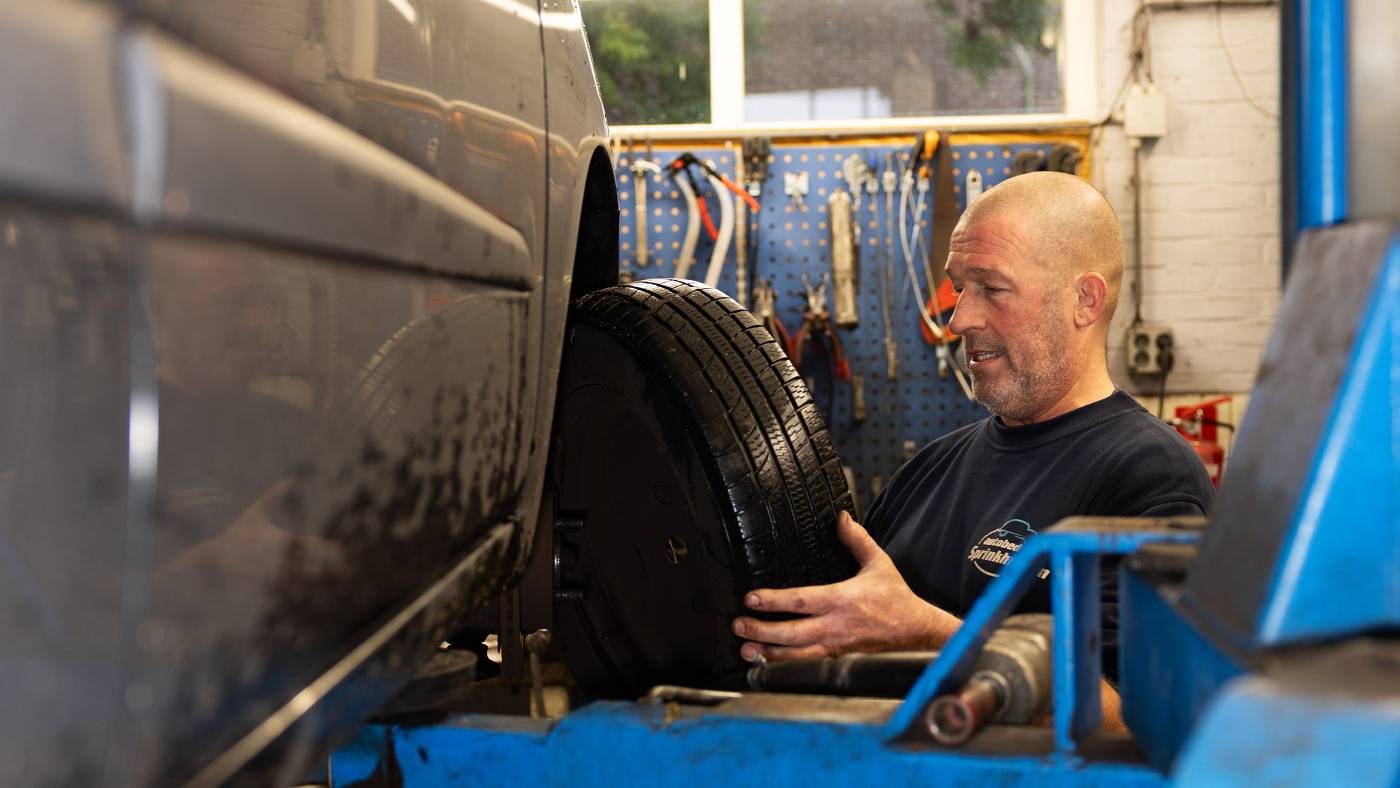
(1037, 263)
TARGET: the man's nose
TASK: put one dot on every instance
(965, 316)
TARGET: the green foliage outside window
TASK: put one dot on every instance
(652, 58)
(986, 31)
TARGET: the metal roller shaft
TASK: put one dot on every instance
(1010, 682)
(952, 719)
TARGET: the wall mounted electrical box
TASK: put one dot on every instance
(1150, 349)
(1145, 112)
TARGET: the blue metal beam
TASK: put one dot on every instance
(609, 744)
(1323, 106)
(1078, 660)
(1072, 549)
(1349, 514)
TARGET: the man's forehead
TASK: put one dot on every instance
(974, 271)
(987, 246)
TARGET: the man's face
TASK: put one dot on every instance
(1014, 317)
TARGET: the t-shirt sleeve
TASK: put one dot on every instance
(1161, 477)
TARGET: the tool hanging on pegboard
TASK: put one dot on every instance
(972, 185)
(817, 327)
(795, 185)
(887, 295)
(939, 147)
(765, 308)
(753, 173)
(844, 271)
(1064, 158)
(642, 170)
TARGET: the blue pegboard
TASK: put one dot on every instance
(902, 415)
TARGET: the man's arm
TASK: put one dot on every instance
(873, 611)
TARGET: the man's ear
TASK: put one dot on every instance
(1091, 297)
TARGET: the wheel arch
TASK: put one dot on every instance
(596, 248)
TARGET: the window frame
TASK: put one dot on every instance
(727, 90)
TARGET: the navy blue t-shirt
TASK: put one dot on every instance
(954, 515)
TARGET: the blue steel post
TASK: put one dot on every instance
(1078, 662)
(1072, 548)
(1323, 105)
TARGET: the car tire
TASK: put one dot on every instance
(690, 464)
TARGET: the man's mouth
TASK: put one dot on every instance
(981, 357)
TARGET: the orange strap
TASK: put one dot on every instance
(942, 302)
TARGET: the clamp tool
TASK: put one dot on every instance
(765, 301)
(816, 324)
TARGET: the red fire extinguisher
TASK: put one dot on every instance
(1200, 426)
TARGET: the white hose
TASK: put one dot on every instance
(726, 231)
(904, 189)
(937, 332)
(692, 228)
(940, 329)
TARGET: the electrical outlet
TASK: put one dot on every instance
(1150, 349)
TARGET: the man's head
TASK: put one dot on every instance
(1038, 263)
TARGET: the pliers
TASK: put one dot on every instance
(816, 324)
(765, 301)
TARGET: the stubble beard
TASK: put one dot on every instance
(1035, 379)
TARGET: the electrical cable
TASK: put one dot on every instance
(1137, 233)
(1142, 40)
(1234, 69)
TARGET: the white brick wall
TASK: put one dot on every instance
(1211, 197)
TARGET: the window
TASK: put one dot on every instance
(847, 59)
(652, 58)
(821, 64)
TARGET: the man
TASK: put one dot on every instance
(1037, 263)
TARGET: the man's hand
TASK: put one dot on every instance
(873, 611)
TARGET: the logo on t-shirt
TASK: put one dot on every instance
(994, 550)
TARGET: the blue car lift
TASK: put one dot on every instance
(1262, 649)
